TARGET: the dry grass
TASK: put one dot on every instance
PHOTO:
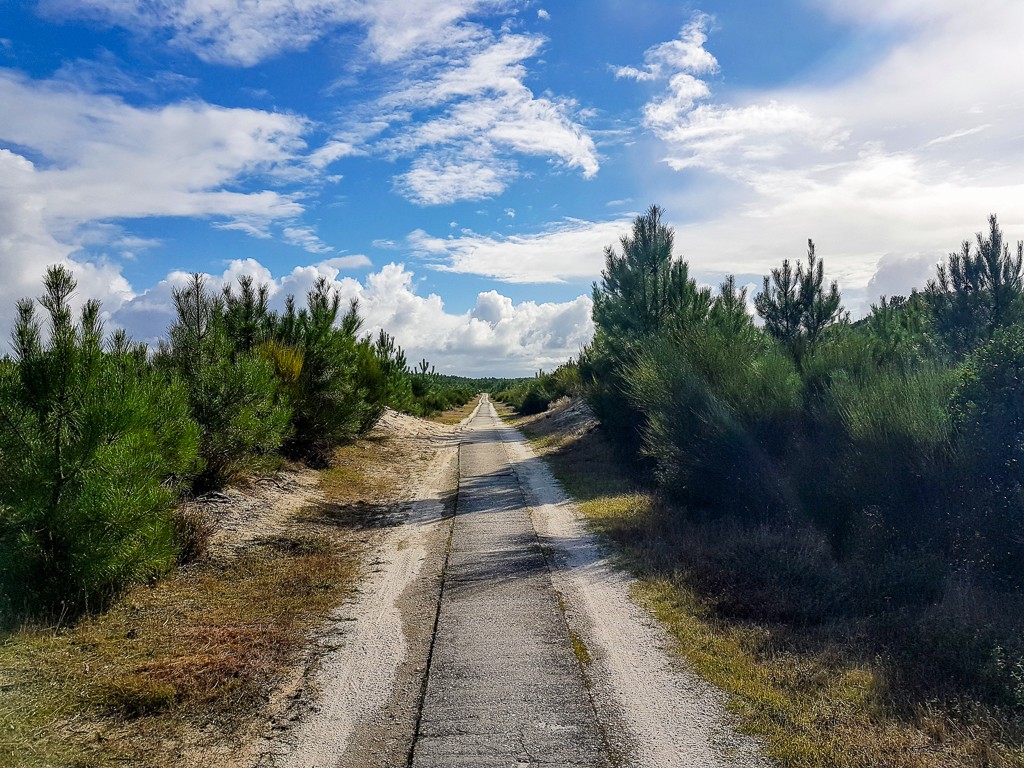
(185, 672)
(812, 693)
(455, 415)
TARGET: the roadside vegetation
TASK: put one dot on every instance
(826, 513)
(100, 436)
(188, 670)
(123, 638)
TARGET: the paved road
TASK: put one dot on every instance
(504, 687)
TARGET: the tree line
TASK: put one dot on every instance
(818, 471)
(906, 425)
(100, 436)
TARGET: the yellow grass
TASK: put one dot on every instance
(455, 415)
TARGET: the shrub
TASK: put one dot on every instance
(988, 404)
(900, 452)
(93, 444)
(233, 392)
(329, 406)
(536, 400)
(719, 410)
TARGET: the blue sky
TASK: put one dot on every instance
(459, 165)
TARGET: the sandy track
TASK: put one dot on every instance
(372, 675)
(367, 687)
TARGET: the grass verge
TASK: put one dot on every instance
(455, 415)
(186, 672)
(818, 694)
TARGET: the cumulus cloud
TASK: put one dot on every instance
(496, 336)
(78, 160)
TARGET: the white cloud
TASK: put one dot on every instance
(496, 336)
(463, 83)
(888, 167)
(684, 54)
(465, 120)
(543, 15)
(107, 159)
(434, 180)
(330, 152)
(571, 250)
(732, 139)
(306, 238)
(79, 160)
(350, 261)
(246, 32)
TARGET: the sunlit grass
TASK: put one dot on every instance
(455, 415)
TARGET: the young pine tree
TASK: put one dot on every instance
(795, 305)
(93, 445)
(329, 404)
(233, 392)
(976, 292)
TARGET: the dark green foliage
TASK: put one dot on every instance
(233, 391)
(989, 409)
(644, 291)
(645, 288)
(847, 425)
(720, 409)
(898, 456)
(93, 444)
(329, 406)
(383, 374)
(977, 291)
(795, 306)
(900, 330)
(534, 395)
(248, 321)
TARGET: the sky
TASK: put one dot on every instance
(459, 166)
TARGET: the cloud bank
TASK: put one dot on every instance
(494, 337)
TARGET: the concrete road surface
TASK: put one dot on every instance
(504, 686)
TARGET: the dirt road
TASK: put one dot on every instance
(501, 636)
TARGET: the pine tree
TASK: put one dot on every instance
(977, 291)
(645, 289)
(329, 404)
(795, 306)
(93, 444)
(233, 391)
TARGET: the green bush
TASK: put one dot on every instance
(988, 405)
(900, 453)
(233, 392)
(536, 400)
(720, 409)
(329, 403)
(93, 444)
